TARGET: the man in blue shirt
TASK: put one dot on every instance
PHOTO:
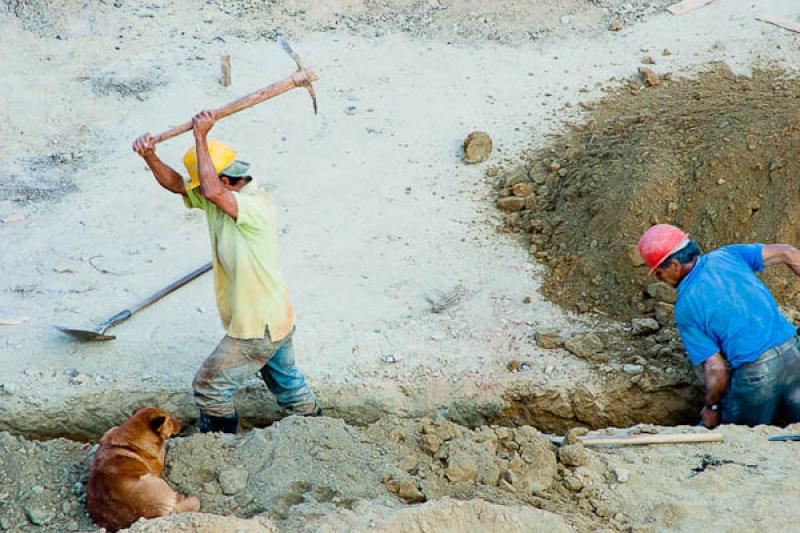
(729, 322)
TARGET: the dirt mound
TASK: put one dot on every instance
(443, 515)
(42, 485)
(716, 155)
(203, 523)
(301, 471)
(315, 465)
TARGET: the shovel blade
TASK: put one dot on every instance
(85, 334)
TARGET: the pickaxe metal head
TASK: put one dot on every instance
(300, 68)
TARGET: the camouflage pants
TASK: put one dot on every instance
(234, 360)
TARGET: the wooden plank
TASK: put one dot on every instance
(647, 438)
(781, 23)
(225, 70)
(681, 8)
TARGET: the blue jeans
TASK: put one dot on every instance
(234, 360)
(766, 389)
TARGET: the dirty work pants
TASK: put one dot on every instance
(767, 388)
(234, 360)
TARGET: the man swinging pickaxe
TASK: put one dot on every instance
(252, 297)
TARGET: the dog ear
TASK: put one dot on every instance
(159, 426)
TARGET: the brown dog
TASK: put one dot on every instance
(124, 481)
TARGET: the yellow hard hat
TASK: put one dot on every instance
(222, 156)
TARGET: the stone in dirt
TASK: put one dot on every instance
(477, 147)
(39, 513)
(585, 346)
(521, 189)
(621, 475)
(511, 203)
(233, 481)
(573, 435)
(549, 339)
(632, 369)
(644, 326)
(663, 292)
(572, 454)
(616, 25)
(649, 77)
(665, 313)
(634, 256)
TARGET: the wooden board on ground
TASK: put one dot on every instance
(686, 6)
(783, 23)
(638, 439)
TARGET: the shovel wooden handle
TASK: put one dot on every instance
(664, 438)
(301, 78)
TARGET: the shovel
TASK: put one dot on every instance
(99, 332)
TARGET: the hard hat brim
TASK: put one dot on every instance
(680, 246)
(237, 169)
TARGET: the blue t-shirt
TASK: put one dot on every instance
(723, 307)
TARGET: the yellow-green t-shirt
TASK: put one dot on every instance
(251, 291)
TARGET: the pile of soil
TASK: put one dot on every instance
(301, 472)
(716, 155)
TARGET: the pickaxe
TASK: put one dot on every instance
(303, 77)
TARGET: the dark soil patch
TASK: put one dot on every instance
(717, 155)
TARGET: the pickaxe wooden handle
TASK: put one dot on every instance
(304, 77)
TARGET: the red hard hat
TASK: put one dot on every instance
(659, 242)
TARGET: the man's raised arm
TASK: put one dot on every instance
(777, 254)
(165, 175)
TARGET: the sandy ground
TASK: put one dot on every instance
(378, 213)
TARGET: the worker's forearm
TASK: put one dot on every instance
(716, 376)
(778, 254)
(164, 174)
(210, 184)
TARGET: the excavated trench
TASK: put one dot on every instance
(595, 400)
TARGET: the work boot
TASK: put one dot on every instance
(223, 424)
(316, 412)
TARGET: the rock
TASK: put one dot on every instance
(649, 77)
(39, 513)
(621, 475)
(513, 365)
(549, 339)
(521, 189)
(572, 454)
(648, 60)
(662, 292)
(477, 147)
(407, 463)
(402, 484)
(233, 481)
(634, 257)
(616, 25)
(514, 176)
(573, 435)
(462, 463)
(666, 52)
(511, 203)
(665, 313)
(573, 483)
(585, 345)
(429, 443)
(644, 326)
(632, 369)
